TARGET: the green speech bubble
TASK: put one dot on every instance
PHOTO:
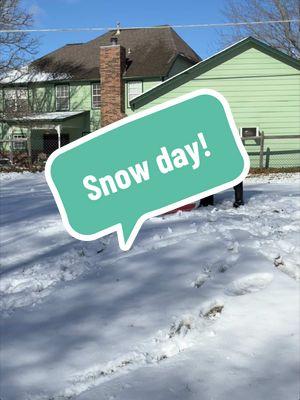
(147, 164)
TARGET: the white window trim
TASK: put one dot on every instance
(94, 107)
(140, 90)
(62, 97)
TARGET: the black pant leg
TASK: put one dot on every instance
(238, 195)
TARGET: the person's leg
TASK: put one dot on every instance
(207, 201)
(238, 195)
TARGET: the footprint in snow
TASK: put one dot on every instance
(200, 280)
(249, 284)
(212, 309)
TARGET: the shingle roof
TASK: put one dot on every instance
(152, 53)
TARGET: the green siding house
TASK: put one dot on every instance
(262, 86)
(58, 98)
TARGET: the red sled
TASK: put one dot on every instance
(187, 207)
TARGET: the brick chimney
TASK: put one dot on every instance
(112, 86)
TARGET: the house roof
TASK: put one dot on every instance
(209, 63)
(50, 116)
(150, 53)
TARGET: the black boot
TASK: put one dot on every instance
(207, 201)
(238, 195)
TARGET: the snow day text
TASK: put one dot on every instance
(188, 156)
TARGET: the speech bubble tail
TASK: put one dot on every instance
(127, 234)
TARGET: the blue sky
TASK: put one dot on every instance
(103, 13)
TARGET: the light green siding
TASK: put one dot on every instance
(81, 100)
(147, 84)
(261, 91)
(42, 99)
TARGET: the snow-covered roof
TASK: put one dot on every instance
(50, 116)
(26, 75)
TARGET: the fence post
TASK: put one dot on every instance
(29, 149)
(261, 151)
(11, 157)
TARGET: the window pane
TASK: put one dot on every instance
(21, 144)
(135, 88)
(16, 99)
(10, 105)
(22, 99)
(9, 94)
(62, 104)
(22, 94)
(62, 97)
(62, 91)
(96, 95)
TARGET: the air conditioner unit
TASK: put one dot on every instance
(249, 132)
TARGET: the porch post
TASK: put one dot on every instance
(10, 144)
(58, 130)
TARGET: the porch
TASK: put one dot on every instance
(41, 134)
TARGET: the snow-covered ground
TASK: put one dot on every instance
(205, 306)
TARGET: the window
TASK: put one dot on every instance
(96, 96)
(62, 98)
(135, 88)
(16, 99)
(20, 144)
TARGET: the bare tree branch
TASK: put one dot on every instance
(16, 49)
(283, 36)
